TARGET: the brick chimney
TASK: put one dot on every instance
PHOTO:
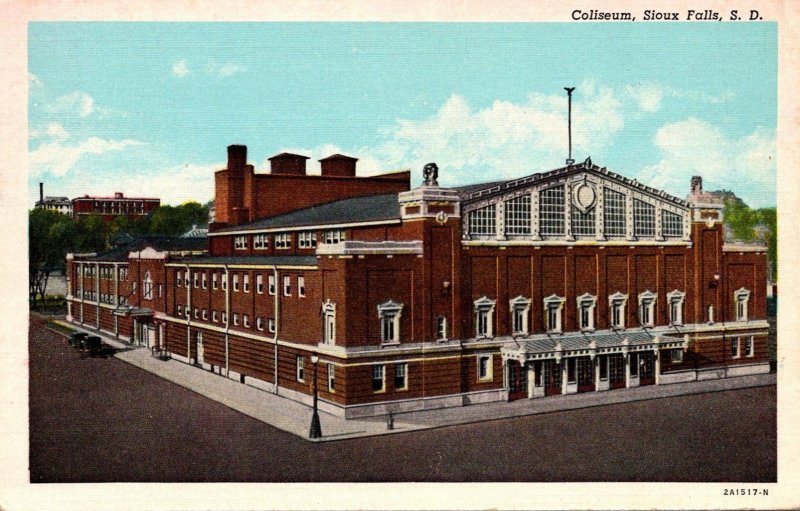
(288, 164)
(118, 195)
(237, 157)
(697, 185)
(41, 192)
(338, 165)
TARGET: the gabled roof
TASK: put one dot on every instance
(287, 155)
(370, 208)
(160, 243)
(338, 156)
(249, 260)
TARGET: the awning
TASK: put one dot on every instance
(554, 346)
(133, 311)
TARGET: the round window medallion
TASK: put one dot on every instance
(441, 217)
(584, 196)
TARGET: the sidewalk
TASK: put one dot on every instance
(295, 418)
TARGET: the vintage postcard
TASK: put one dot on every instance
(392, 252)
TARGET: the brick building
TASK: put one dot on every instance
(110, 207)
(573, 280)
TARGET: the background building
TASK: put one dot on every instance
(110, 207)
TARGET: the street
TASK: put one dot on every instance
(102, 420)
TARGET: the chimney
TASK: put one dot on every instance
(288, 164)
(41, 192)
(118, 195)
(237, 157)
(338, 165)
(697, 185)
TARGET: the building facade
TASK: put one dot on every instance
(573, 280)
(117, 205)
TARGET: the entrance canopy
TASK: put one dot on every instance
(543, 346)
(134, 311)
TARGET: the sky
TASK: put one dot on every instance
(148, 109)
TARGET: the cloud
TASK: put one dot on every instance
(57, 131)
(55, 158)
(229, 70)
(648, 96)
(695, 147)
(78, 102)
(180, 69)
(34, 82)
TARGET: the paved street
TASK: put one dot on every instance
(101, 419)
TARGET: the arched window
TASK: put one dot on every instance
(147, 286)
(329, 322)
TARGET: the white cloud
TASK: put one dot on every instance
(78, 102)
(229, 70)
(34, 81)
(647, 95)
(57, 131)
(695, 147)
(173, 185)
(57, 159)
(180, 68)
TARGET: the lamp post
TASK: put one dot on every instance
(316, 429)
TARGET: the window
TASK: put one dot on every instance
(259, 324)
(676, 356)
(675, 300)
(441, 328)
(519, 307)
(331, 378)
(260, 284)
(225, 281)
(647, 305)
(329, 322)
(205, 315)
(551, 211)
(671, 224)
(553, 308)
(741, 297)
(616, 304)
(246, 282)
(204, 283)
(246, 320)
(261, 241)
(196, 313)
(485, 368)
(389, 315)
(307, 239)
(225, 318)
(484, 317)
(147, 287)
(133, 287)
(644, 219)
(378, 373)
(401, 376)
(214, 280)
(583, 224)
(272, 284)
(160, 290)
(236, 318)
(301, 286)
(586, 305)
(283, 241)
(187, 280)
(518, 215)
(240, 242)
(271, 325)
(613, 213)
(482, 221)
(287, 285)
(215, 316)
(748, 346)
(300, 368)
(235, 281)
(335, 236)
(734, 347)
(196, 280)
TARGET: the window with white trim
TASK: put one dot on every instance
(328, 322)
(332, 236)
(671, 224)
(240, 242)
(300, 368)
(271, 325)
(283, 241)
(214, 280)
(647, 308)
(225, 318)
(261, 241)
(147, 287)
(196, 313)
(735, 347)
(179, 309)
(482, 222)
(196, 279)
(205, 315)
(236, 319)
(259, 284)
(553, 311)
(378, 378)
(287, 285)
(301, 286)
(401, 376)
(389, 315)
(235, 281)
(246, 282)
(520, 311)
(583, 224)
(613, 213)
(616, 313)
(224, 279)
(748, 346)
(485, 369)
(551, 211)
(307, 239)
(675, 300)
(484, 317)
(259, 323)
(215, 316)
(178, 279)
(441, 328)
(586, 306)
(271, 284)
(187, 280)
(331, 378)
(204, 282)
(741, 298)
(676, 356)
(246, 320)
(644, 219)
(518, 215)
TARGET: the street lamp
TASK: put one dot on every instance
(316, 429)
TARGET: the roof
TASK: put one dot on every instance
(196, 232)
(250, 260)
(468, 189)
(338, 156)
(370, 208)
(288, 155)
(120, 252)
(603, 339)
(101, 197)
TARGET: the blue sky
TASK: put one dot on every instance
(149, 108)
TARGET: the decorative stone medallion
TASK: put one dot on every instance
(584, 196)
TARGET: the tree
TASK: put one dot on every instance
(50, 235)
(742, 220)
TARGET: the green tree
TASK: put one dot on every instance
(50, 236)
(92, 233)
(742, 220)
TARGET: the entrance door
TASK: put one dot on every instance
(585, 374)
(616, 371)
(517, 381)
(647, 368)
(552, 378)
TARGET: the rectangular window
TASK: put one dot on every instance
(734, 347)
(261, 241)
(676, 356)
(333, 236)
(671, 224)
(196, 280)
(225, 318)
(215, 316)
(204, 282)
(484, 367)
(388, 331)
(236, 319)
(646, 311)
(246, 282)
(214, 280)
(178, 279)
(552, 317)
(748, 346)
(441, 328)
(617, 314)
(287, 285)
(283, 241)
(196, 313)
(259, 324)
(482, 222)
(603, 368)
(482, 323)
(246, 320)
(613, 213)
(187, 279)
(401, 377)
(378, 372)
(271, 325)
(572, 370)
(307, 239)
(160, 290)
(271, 284)
(260, 284)
(518, 215)
(586, 316)
(676, 311)
(331, 378)
(519, 325)
(205, 315)
(583, 224)
(644, 219)
(300, 367)
(235, 281)
(301, 286)
(551, 211)
(240, 242)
